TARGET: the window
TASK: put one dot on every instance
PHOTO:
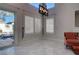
(50, 25)
(29, 26)
(37, 25)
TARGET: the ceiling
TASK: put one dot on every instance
(49, 5)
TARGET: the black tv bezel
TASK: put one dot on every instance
(46, 14)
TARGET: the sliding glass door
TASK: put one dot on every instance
(7, 19)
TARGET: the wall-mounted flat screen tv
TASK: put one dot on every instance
(43, 10)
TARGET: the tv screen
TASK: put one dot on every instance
(43, 10)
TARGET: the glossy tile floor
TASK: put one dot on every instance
(38, 46)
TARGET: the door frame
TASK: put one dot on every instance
(6, 9)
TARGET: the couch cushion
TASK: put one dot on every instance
(70, 35)
(75, 47)
(72, 40)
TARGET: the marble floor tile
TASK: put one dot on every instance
(37, 46)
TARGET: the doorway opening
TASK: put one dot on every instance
(7, 26)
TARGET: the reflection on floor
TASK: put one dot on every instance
(8, 51)
(39, 46)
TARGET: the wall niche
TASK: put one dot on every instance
(77, 18)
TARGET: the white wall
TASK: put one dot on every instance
(65, 18)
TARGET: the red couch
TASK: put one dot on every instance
(72, 41)
(76, 49)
